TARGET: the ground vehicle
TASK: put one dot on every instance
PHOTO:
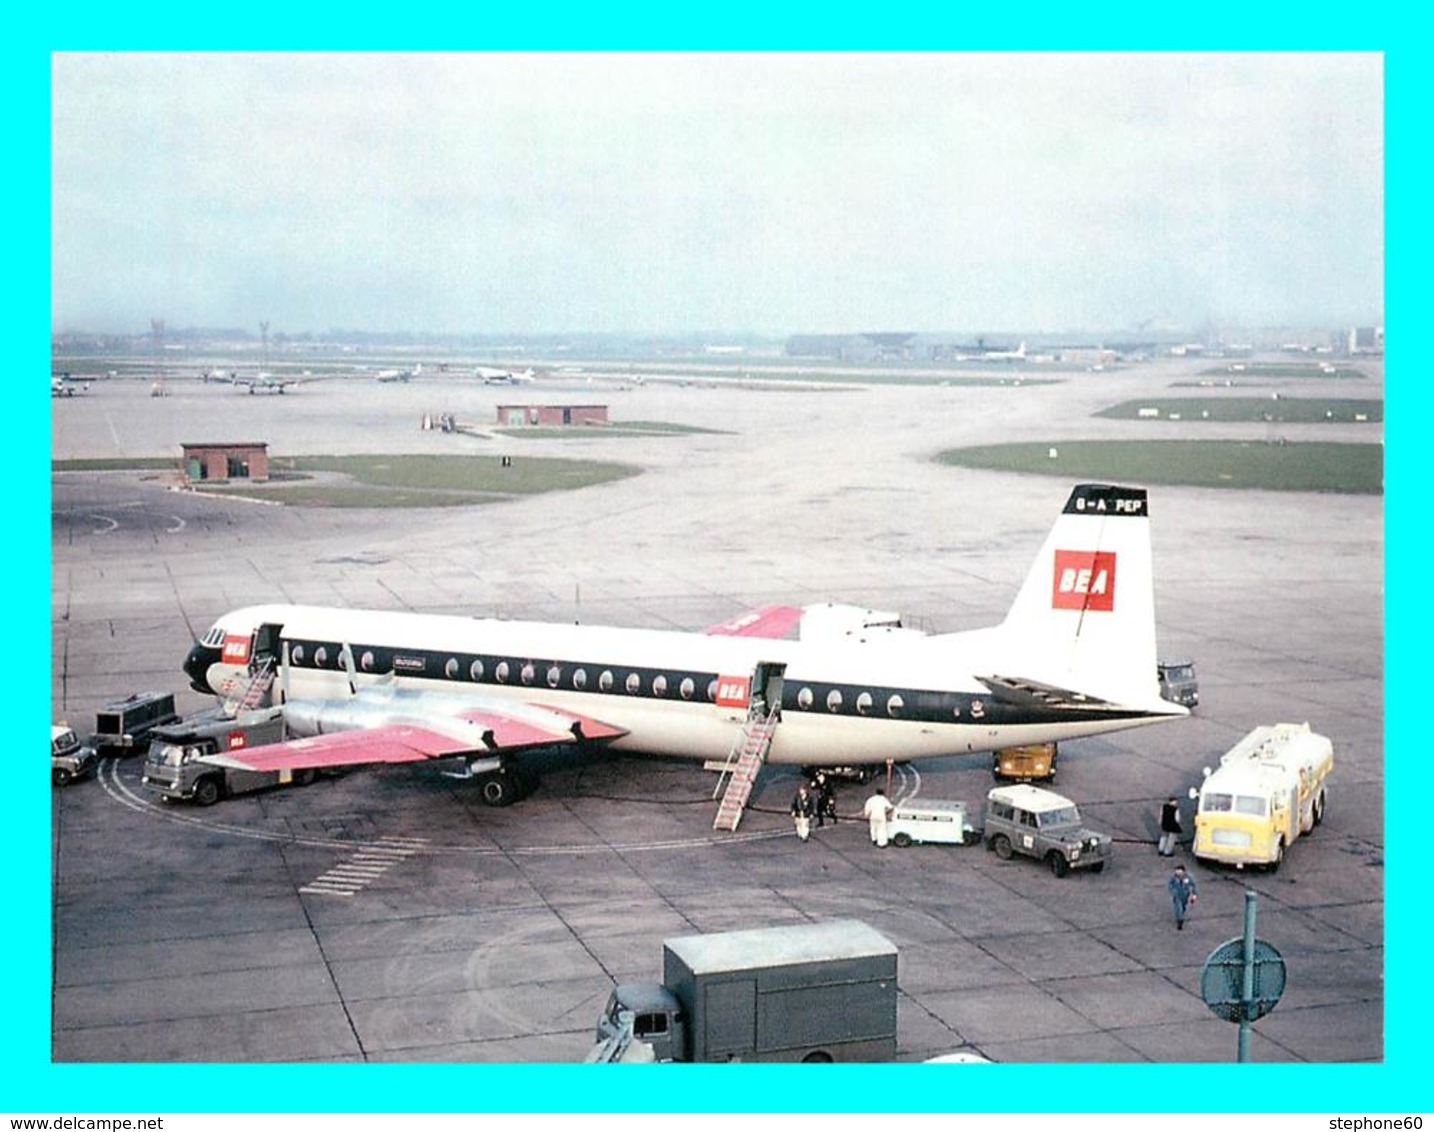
(1178, 683)
(123, 727)
(69, 759)
(180, 762)
(1031, 763)
(801, 992)
(1042, 824)
(929, 820)
(1269, 788)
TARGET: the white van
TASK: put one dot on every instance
(929, 820)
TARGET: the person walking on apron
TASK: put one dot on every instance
(804, 806)
(1182, 893)
(876, 811)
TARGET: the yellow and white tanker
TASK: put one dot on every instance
(1269, 789)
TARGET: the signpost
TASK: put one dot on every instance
(1243, 979)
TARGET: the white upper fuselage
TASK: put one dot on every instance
(896, 696)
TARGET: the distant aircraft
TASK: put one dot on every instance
(493, 376)
(404, 375)
(264, 382)
(1016, 355)
(1075, 656)
(67, 386)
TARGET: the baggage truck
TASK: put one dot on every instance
(1034, 762)
(125, 726)
(1269, 789)
(805, 992)
(179, 766)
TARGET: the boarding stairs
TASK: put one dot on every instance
(254, 692)
(739, 773)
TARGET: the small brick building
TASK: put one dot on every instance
(222, 462)
(556, 416)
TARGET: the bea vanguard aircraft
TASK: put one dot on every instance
(1074, 657)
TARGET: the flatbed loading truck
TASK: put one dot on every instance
(803, 992)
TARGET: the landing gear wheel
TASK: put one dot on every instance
(1002, 846)
(901, 840)
(1059, 865)
(503, 788)
(207, 792)
(304, 777)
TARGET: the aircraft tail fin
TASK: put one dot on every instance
(1086, 611)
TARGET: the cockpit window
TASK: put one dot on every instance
(214, 638)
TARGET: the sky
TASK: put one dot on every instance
(765, 194)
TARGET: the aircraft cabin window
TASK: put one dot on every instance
(321, 656)
(366, 661)
(501, 672)
(451, 668)
(659, 685)
(712, 691)
(863, 703)
(580, 679)
(804, 698)
(554, 675)
(894, 706)
(475, 671)
(527, 674)
(296, 654)
(605, 681)
(634, 683)
(687, 688)
(834, 700)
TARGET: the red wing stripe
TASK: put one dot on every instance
(510, 732)
(401, 744)
(771, 621)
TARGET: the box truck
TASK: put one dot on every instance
(805, 992)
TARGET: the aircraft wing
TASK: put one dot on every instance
(771, 621)
(480, 731)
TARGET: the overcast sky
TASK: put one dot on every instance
(766, 193)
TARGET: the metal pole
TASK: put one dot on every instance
(888, 778)
(1247, 990)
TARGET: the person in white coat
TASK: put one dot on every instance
(877, 810)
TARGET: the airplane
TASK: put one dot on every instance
(265, 382)
(67, 386)
(1016, 355)
(1074, 657)
(404, 375)
(493, 376)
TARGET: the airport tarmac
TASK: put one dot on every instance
(261, 929)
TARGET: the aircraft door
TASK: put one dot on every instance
(766, 695)
(267, 645)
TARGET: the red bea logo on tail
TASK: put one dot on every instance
(1084, 579)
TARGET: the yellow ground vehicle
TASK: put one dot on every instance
(1269, 789)
(1035, 762)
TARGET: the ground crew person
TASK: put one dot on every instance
(1182, 894)
(803, 807)
(877, 810)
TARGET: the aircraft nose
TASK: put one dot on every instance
(196, 667)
